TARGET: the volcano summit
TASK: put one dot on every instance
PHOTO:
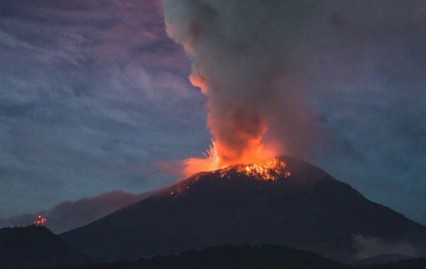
(284, 202)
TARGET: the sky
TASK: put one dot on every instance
(95, 97)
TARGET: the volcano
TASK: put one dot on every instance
(296, 205)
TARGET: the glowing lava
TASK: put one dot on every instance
(40, 221)
(256, 158)
(271, 170)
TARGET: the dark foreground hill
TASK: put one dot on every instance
(308, 210)
(245, 257)
(34, 247)
(229, 257)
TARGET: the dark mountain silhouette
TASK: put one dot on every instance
(245, 257)
(309, 210)
(34, 247)
(229, 257)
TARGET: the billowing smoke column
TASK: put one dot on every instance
(253, 99)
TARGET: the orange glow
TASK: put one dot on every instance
(270, 170)
(273, 170)
(255, 156)
(40, 221)
(200, 82)
(238, 132)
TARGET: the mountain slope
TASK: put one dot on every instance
(308, 209)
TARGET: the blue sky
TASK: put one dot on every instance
(94, 95)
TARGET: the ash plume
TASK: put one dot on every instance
(240, 61)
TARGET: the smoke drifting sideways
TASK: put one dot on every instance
(240, 61)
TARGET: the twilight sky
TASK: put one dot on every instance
(94, 95)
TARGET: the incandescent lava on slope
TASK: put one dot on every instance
(272, 170)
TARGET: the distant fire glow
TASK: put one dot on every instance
(40, 221)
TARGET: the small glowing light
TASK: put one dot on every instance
(40, 221)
